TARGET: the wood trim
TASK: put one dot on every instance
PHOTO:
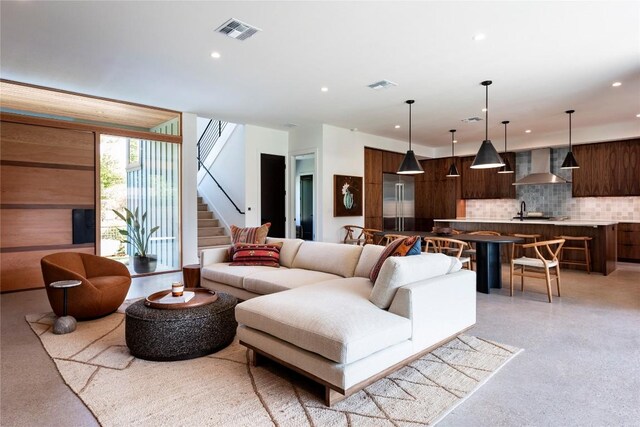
(35, 206)
(13, 82)
(97, 193)
(44, 165)
(331, 397)
(107, 130)
(45, 247)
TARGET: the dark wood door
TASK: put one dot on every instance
(272, 193)
(306, 206)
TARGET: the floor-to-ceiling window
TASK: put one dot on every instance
(141, 176)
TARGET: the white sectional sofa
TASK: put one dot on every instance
(320, 315)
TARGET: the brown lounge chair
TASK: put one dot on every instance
(105, 283)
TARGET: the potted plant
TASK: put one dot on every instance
(137, 236)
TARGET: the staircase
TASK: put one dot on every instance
(210, 233)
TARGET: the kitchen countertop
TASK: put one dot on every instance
(569, 222)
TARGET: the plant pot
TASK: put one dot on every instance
(145, 264)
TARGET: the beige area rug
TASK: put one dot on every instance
(223, 389)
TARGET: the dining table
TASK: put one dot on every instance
(488, 265)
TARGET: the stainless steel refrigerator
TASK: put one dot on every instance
(398, 202)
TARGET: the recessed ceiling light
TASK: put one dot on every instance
(479, 36)
(484, 110)
(455, 141)
(397, 126)
(324, 89)
(527, 131)
(637, 115)
(616, 84)
(215, 55)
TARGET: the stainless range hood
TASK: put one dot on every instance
(541, 170)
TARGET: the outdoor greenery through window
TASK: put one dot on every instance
(139, 179)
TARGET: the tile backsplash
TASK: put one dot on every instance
(554, 199)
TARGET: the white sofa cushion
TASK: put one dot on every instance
(288, 251)
(369, 256)
(234, 275)
(268, 282)
(328, 257)
(333, 319)
(400, 271)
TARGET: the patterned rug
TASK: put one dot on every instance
(224, 389)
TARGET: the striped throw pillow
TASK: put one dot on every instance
(255, 254)
(250, 234)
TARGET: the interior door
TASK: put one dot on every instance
(272, 193)
(306, 206)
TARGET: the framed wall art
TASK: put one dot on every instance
(347, 195)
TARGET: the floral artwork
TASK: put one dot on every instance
(347, 195)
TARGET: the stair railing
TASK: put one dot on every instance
(209, 137)
(220, 187)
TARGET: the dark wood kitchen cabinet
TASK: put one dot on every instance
(487, 183)
(607, 169)
(629, 242)
(436, 195)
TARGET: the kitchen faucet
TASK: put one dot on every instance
(523, 207)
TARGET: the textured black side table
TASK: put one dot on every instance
(179, 334)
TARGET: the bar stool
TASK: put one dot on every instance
(584, 247)
(528, 238)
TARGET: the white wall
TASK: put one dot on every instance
(343, 154)
(189, 189)
(260, 140)
(229, 170)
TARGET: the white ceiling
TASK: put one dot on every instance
(543, 57)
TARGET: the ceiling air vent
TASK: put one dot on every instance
(382, 84)
(237, 29)
(472, 120)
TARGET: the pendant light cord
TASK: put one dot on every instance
(570, 132)
(486, 113)
(453, 133)
(410, 127)
(505, 138)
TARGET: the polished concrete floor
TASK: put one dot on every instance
(580, 367)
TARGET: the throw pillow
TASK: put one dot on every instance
(416, 249)
(255, 254)
(250, 234)
(399, 247)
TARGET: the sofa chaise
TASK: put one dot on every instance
(321, 315)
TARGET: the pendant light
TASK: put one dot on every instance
(507, 167)
(410, 164)
(453, 170)
(570, 161)
(487, 156)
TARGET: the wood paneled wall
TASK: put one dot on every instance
(45, 172)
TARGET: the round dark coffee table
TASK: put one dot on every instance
(183, 333)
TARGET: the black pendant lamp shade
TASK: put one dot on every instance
(507, 167)
(453, 170)
(410, 165)
(570, 161)
(487, 156)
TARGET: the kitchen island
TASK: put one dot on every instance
(604, 234)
